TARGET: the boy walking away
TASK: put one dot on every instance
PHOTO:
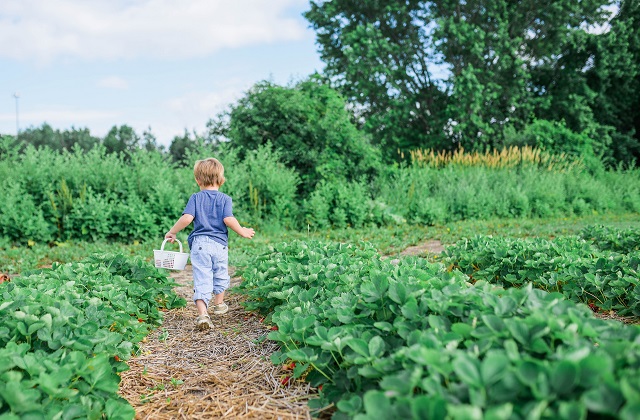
(211, 214)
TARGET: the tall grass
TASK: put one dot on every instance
(426, 194)
(508, 157)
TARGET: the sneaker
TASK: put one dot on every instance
(220, 309)
(203, 322)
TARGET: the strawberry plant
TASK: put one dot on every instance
(607, 238)
(572, 266)
(66, 332)
(417, 340)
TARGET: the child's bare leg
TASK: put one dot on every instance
(202, 307)
(218, 299)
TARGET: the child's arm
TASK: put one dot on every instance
(182, 223)
(234, 225)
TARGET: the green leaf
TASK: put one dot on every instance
(300, 369)
(429, 407)
(383, 326)
(377, 403)
(528, 372)
(19, 398)
(463, 411)
(351, 405)
(52, 386)
(512, 350)
(398, 292)
(359, 346)
(605, 399)
(381, 282)
(99, 374)
(301, 324)
(572, 411)
(494, 322)
(518, 329)
(305, 354)
(564, 377)
(410, 309)
(631, 411)
(493, 367)
(376, 347)
(463, 329)
(467, 370)
(119, 409)
(499, 412)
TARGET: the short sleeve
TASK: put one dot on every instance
(227, 210)
(191, 206)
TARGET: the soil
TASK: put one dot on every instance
(429, 247)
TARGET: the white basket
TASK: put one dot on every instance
(170, 259)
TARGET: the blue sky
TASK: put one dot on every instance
(165, 64)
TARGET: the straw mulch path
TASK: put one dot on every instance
(225, 372)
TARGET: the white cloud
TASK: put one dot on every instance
(96, 29)
(113, 82)
(191, 111)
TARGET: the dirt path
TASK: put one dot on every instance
(221, 373)
(429, 247)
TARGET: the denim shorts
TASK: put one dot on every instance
(210, 262)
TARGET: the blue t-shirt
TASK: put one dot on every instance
(209, 208)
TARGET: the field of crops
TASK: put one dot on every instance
(68, 331)
(425, 340)
(515, 319)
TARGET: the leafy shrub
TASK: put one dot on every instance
(430, 195)
(262, 187)
(338, 204)
(22, 219)
(308, 124)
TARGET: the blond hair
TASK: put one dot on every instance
(209, 172)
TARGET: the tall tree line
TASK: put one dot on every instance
(451, 73)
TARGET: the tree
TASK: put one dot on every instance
(614, 78)
(380, 55)
(150, 142)
(384, 55)
(121, 139)
(308, 126)
(181, 146)
(46, 136)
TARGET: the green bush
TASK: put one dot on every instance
(338, 204)
(431, 195)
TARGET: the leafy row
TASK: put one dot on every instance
(578, 269)
(607, 238)
(65, 333)
(419, 341)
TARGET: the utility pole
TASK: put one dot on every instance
(17, 96)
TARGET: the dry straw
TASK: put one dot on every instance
(511, 157)
(182, 373)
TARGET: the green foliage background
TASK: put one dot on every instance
(94, 195)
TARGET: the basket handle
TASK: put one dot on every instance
(165, 241)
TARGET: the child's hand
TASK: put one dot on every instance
(170, 236)
(247, 233)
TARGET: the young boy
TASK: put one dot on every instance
(211, 213)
